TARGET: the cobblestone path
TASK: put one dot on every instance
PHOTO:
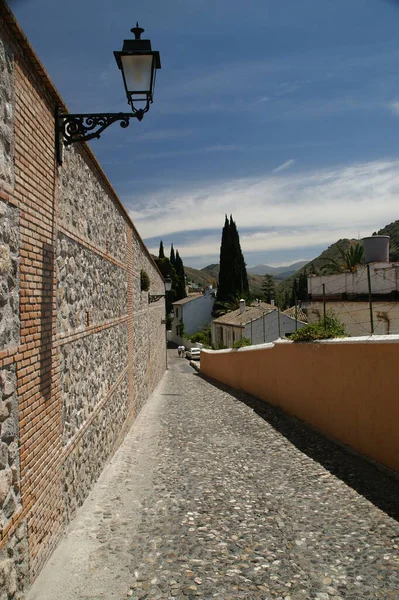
(216, 495)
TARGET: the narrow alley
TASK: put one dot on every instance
(216, 495)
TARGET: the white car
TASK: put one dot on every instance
(193, 354)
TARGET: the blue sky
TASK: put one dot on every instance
(284, 113)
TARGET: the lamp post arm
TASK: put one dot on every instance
(71, 128)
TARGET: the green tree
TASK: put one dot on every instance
(233, 279)
(268, 288)
(161, 253)
(181, 278)
(303, 286)
(294, 293)
(349, 259)
(172, 256)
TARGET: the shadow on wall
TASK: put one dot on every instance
(366, 479)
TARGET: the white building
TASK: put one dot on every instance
(347, 295)
(194, 312)
(259, 323)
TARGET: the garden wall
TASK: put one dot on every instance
(345, 388)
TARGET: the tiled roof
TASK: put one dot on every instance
(188, 299)
(290, 312)
(251, 313)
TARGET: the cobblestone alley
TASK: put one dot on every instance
(208, 498)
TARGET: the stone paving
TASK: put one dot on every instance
(216, 495)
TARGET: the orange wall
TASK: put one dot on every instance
(348, 391)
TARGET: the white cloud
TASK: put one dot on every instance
(305, 209)
(284, 166)
(394, 107)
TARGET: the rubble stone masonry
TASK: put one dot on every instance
(81, 348)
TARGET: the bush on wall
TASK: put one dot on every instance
(242, 343)
(144, 281)
(326, 329)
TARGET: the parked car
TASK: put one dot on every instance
(193, 354)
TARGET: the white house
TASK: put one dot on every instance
(259, 323)
(194, 312)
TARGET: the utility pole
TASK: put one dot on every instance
(279, 326)
(370, 301)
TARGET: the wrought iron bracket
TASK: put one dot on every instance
(155, 298)
(84, 127)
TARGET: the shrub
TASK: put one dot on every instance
(331, 328)
(203, 336)
(144, 281)
(241, 343)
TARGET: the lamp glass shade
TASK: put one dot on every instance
(168, 284)
(137, 72)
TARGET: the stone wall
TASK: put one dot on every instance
(89, 368)
(86, 209)
(91, 289)
(84, 464)
(9, 275)
(14, 571)
(7, 92)
(10, 497)
(81, 347)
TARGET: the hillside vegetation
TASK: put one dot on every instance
(393, 231)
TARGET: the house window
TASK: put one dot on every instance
(234, 336)
(176, 312)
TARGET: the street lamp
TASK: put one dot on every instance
(168, 286)
(139, 64)
(168, 283)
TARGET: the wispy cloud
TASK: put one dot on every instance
(276, 212)
(394, 106)
(164, 134)
(189, 151)
(286, 165)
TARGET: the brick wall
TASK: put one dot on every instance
(81, 349)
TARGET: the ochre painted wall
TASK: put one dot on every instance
(348, 391)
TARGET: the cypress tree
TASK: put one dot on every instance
(172, 256)
(161, 253)
(239, 267)
(233, 279)
(224, 283)
(181, 277)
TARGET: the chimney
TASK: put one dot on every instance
(242, 306)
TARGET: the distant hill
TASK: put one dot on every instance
(277, 272)
(199, 276)
(210, 274)
(212, 270)
(316, 264)
(392, 230)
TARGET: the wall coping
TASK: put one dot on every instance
(371, 339)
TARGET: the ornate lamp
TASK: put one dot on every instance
(138, 63)
(168, 287)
